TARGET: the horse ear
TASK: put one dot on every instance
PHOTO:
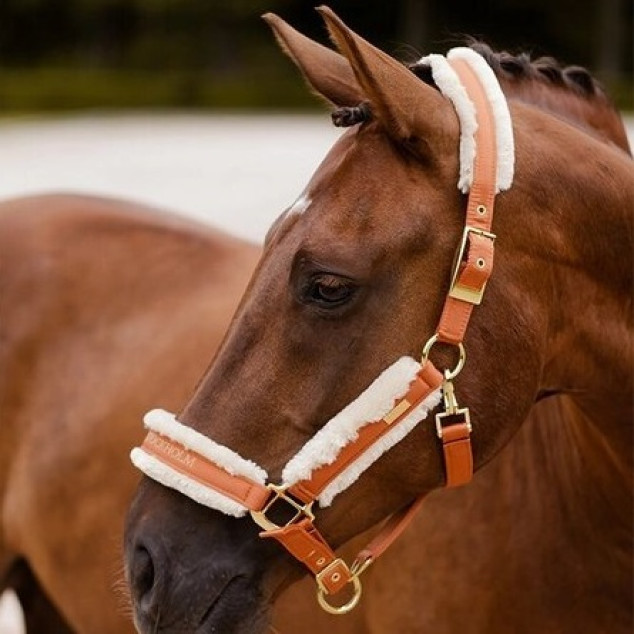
(326, 71)
(411, 111)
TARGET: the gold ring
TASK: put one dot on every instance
(346, 607)
(462, 356)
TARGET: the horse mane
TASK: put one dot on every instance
(508, 68)
(547, 70)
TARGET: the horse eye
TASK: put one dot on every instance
(328, 291)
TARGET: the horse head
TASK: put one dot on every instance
(354, 276)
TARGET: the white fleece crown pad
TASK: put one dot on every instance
(322, 449)
(451, 87)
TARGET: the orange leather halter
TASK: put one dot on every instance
(298, 534)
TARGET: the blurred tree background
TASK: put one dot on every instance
(72, 54)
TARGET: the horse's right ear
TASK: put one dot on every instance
(411, 112)
(326, 71)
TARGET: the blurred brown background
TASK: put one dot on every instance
(74, 54)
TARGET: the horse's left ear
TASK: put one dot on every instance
(412, 112)
(326, 71)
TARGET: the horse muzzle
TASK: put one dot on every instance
(185, 582)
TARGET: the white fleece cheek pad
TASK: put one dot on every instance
(164, 423)
(372, 405)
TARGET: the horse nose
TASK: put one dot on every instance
(143, 581)
(190, 569)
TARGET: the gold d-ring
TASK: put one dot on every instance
(346, 607)
(462, 355)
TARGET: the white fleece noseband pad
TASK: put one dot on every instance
(165, 424)
(322, 449)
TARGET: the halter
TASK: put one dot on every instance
(215, 476)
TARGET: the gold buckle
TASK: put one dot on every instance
(463, 411)
(327, 570)
(279, 493)
(322, 592)
(456, 290)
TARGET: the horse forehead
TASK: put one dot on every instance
(360, 173)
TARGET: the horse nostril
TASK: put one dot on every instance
(142, 573)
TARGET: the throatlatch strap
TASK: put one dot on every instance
(390, 531)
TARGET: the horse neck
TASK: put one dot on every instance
(584, 250)
(566, 498)
(591, 355)
(593, 113)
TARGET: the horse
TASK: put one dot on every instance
(69, 570)
(353, 277)
(86, 329)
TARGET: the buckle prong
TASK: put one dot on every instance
(359, 566)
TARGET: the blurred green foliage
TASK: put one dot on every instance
(58, 89)
(60, 54)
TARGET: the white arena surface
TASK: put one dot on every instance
(237, 172)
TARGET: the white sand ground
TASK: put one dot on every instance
(237, 172)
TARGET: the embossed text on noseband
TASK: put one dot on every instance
(173, 451)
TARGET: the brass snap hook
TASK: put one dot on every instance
(452, 411)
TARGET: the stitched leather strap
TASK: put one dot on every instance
(476, 267)
(427, 380)
(305, 543)
(456, 446)
(473, 274)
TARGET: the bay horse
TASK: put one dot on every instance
(69, 564)
(354, 276)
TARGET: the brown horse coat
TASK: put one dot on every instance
(89, 344)
(533, 336)
(101, 300)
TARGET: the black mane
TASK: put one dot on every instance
(506, 66)
(521, 67)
